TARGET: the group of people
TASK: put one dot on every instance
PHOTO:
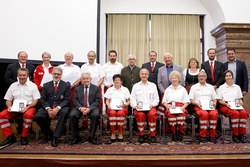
(68, 91)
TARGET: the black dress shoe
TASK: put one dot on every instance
(9, 140)
(243, 138)
(203, 140)
(93, 141)
(120, 140)
(180, 137)
(212, 139)
(54, 142)
(113, 140)
(174, 137)
(76, 140)
(141, 139)
(153, 139)
(24, 140)
(236, 139)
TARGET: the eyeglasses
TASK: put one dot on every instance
(202, 76)
(57, 74)
(131, 59)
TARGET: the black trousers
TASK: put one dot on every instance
(74, 116)
(43, 120)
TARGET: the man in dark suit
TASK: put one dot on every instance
(239, 70)
(86, 102)
(11, 72)
(55, 101)
(152, 67)
(213, 69)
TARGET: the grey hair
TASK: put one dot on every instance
(144, 69)
(46, 53)
(202, 71)
(57, 68)
(131, 55)
(168, 53)
(87, 73)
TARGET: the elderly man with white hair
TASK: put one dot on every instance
(144, 99)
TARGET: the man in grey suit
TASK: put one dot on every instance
(55, 101)
(86, 102)
(163, 72)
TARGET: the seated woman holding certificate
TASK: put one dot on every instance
(203, 97)
(230, 99)
(176, 100)
(117, 100)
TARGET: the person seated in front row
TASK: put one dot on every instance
(86, 102)
(176, 96)
(117, 100)
(231, 93)
(204, 93)
(24, 91)
(55, 100)
(144, 98)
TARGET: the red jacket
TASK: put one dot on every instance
(38, 75)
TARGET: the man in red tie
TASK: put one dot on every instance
(55, 101)
(213, 69)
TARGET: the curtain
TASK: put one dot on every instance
(177, 34)
(128, 34)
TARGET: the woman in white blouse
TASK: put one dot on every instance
(176, 96)
(230, 93)
(117, 100)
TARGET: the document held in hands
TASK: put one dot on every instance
(176, 110)
(70, 77)
(116, 104)
(207, 105)
(234, 107)
(46, 78)
(142, 107)
(18, 105)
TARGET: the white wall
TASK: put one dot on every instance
(153, 7)
(56, 26)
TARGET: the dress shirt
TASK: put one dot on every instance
(122, 93)
(169, 70)
(110, 70)
(46, 70)
(22, 64)
(28, 91)
(202, 92)
(232, 67)
(67, 69)
(95, 70)
(210, 63)
(146, 93)
(229, 93)
(178, 94)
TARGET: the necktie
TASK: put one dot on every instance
(22, 65)
(85, 99)
(153, 66)
(56, 83)
(212, 71)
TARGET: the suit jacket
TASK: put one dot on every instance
(218, 73)
(94, 97)
(11, 72)
(152, 74)
(241, 76)
(162, 79)
(60, 98)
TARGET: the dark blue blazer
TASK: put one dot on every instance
(11, 73)
(60, 98)
(241, 74)
(152, 74)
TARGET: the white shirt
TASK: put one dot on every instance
(46, 70)
(229, 93)
(68, 69)
(178, 95)
(202, 92)
(28, 91)
(110, 70)
(113, 93)
(22, 65)
(146, 93)
(95, 70)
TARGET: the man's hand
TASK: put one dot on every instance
(244, 93)
(24, 109)
(9, 109)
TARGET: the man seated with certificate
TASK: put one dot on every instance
(230, 99)
(21, 98)
(203, 97)
(144, 98)
(117, 100)
(176, 100)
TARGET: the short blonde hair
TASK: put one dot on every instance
(175, 73)
(70, 54)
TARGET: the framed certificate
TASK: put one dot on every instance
(116, 104)
(176, 110)
(142, 106)
(234, 107)
(18, 105)
(207, 104)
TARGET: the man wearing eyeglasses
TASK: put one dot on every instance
(203, 91)
(55, 101)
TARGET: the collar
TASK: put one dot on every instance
(233, 61)
(171, 86)
(227, 86)
(71, 65)
(22, 64)
(48, 66)
(26, 83)
(54, 82)
(131, 67)
(170, 66)
(88, 64)
(201, 84)
(143, 83)
(112, 63)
